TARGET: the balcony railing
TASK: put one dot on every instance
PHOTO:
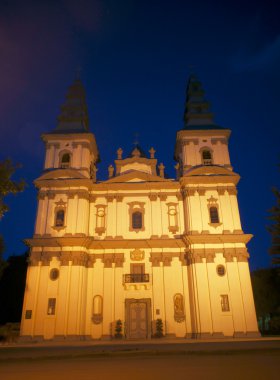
(207, 161)
(136, 277)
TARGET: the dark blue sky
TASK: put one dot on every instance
(135, 58)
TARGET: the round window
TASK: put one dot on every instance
(221, 270)
(54, 273)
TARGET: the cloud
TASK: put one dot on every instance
(267, 57)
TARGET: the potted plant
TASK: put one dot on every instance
(159, 328)
(118, 329)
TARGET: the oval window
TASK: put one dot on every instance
(221, 270)
(54, 274)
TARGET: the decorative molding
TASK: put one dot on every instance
(163, 257)
(179, 312)
(137, 255)
(221, 140)
(83, 144)
(92, 198)
(162, 197)
(153, 197)
(109, 198)
(201, 191)
(41, 195)
(232, 191)
(188, 141)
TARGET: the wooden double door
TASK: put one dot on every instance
(138, 318)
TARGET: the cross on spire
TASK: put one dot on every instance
(78, 72)
(136, 136)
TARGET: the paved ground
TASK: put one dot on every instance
(252, 366)
(180, 359)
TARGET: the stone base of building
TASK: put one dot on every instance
(189, 336)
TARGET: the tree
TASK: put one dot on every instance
(7, 186)
(274, 228)
(12, 285)
(266, 284)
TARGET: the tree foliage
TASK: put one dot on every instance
(12, 285)
(274, 228)
(7, 185)
(266, 285)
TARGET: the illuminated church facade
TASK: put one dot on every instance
(138, 249)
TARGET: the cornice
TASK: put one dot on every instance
(109, 243)
(196, 238)
(76, 258)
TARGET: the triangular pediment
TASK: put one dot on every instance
(136, 176)
(61, 174)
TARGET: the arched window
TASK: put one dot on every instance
(137, 220)
(172, 217)
(206, 157)
(100, 219)
(65, 160)
(214, 215)
(97, 309)
(59, 218)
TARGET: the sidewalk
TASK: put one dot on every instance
(80, 349)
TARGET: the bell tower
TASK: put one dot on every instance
(71, 145)
(202, 141)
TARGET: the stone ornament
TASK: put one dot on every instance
(137, 255)
(179, 314)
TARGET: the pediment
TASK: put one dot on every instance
(136, 176)
(61, 174)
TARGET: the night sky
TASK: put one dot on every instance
(135, 59)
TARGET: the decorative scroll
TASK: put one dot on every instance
(179, 313)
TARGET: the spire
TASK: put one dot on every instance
(197, 111)
(73, 117)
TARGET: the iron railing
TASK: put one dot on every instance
(136, 277)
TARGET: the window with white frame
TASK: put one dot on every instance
(206, 156)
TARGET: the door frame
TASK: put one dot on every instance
(128, 302)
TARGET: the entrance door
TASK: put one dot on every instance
(138, 318)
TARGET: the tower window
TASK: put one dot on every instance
(137, 222)
(214, 215)
(65, 161)
(59, 218)
(207, 157)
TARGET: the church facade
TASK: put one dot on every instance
(138, 255)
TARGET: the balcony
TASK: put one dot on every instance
(136, 281)
(136, 277)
